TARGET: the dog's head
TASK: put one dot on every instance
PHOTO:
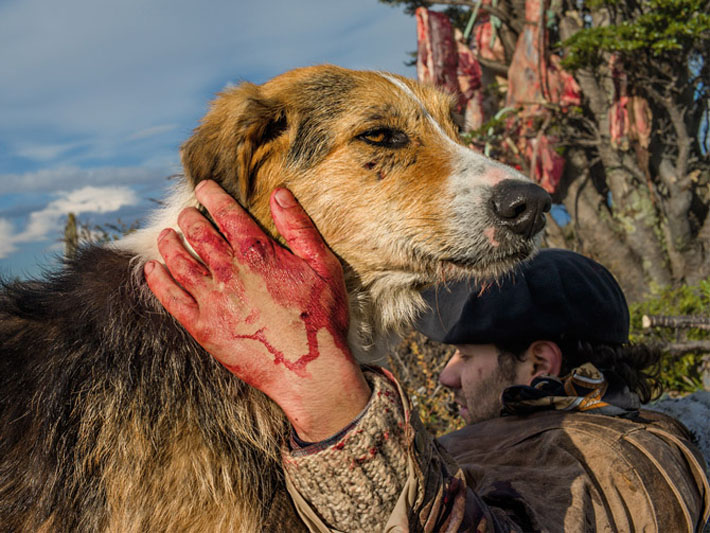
(376, 161)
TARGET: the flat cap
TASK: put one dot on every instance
(556, 295)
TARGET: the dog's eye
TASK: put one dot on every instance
(387, 137)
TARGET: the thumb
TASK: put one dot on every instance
(301, 234)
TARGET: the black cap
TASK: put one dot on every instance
(556, 295)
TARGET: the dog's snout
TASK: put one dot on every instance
(520, 206)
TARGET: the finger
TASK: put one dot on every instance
(231, 218)
(214, 251)
(176, 301)
(183, 267)
(301, 234)
(249, 243)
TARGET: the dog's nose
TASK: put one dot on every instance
(520, 206)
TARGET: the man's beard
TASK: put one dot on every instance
(484, 402)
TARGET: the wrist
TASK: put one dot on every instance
(327, 409)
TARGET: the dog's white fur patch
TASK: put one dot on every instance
(144, 242)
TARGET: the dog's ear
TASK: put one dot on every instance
(223, 146)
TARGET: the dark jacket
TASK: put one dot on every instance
(561, 471)
(550, 470)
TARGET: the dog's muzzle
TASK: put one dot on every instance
(520, 206)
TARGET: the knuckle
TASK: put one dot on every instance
(187, 270)
(195, 230)
(335, 266)
(225, 210)
(256, 252)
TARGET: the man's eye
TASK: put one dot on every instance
(386, 137)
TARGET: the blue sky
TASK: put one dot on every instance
(98, 95)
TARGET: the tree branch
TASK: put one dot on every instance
(676, 322)
(703, 238)
(580, 142)
(502, 15)
(682, 348)
(554, 234)
(628, 202)
(595, 230)
(630, 164)
(500, 69)
(683, 140)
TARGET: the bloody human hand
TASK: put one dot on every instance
(275, 318)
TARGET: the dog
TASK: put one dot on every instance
(114, 419)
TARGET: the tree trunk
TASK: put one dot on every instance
(632, 206)
(595, 232)
(71, 237)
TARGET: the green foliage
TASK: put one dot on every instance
(678, 373)
(661, 27)
(491, 136)
(410, 5)
(417, 363)
(457, 15)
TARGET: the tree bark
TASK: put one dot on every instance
(676, 322)
(681, 348)
(596, 234)
(631, 203)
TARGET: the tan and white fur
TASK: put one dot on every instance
(113, 419)
(398, 218)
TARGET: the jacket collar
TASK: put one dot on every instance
(585, 389)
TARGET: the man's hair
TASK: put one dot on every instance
(637, 365)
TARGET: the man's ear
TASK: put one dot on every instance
(225, 146)
(546, 359)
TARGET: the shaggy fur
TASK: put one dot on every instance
(113, 419)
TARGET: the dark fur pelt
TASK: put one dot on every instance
(112, 418)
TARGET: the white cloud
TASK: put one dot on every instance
(66, 177)
(95, 199)
(45, 221)
(151, 132)
(7, 246)
(45, 152)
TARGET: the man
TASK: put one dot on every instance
(560, 314)
(556, 313)
(573, 455)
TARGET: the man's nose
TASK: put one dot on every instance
(449, 377)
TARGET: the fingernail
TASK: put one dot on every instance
(163, 233)
(149, 266)
(200, 185)
(284, 198)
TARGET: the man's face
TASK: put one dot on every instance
(478, 376)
